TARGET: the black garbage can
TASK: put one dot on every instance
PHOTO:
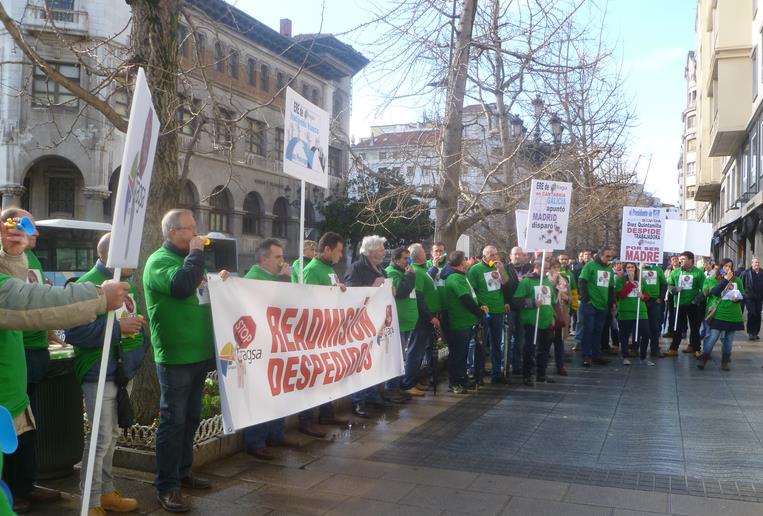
(59, 417)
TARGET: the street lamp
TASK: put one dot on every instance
(538, 106)
(556, 129)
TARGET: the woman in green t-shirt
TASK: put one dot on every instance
(630, 300)
(724, 293)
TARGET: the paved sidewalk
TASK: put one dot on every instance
(608, 441)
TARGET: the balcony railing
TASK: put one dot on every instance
(38, 16)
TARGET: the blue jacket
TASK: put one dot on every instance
(91, 336)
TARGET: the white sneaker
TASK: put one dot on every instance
(626, 361)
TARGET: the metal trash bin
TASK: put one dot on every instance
(60, 438)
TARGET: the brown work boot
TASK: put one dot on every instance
(114, 501)
(704, 359)
(312, 430)
(413, 391)
(671, 353)
(726, 362)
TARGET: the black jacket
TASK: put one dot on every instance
(362, 274)
(753, 284)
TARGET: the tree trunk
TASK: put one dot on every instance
(155, 47)
(446, 223)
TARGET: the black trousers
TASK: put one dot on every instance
(754, 307)
(536, 357)
(691, 313)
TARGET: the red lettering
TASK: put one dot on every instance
(316, 325)
(290, 373)
(300, 330)
(304, 371)
(327, 379)
(275, 370)
(317, 368)
(288, 314)
(367, 363)
(355, 329)
(330, 327)
(354, 359)
(341, 367)
(367, 324)
(338, 317)
(273, 315)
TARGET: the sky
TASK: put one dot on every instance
(651, 38)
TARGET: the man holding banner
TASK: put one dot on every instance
(685, 284)
(177, 301)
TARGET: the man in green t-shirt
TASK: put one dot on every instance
(462, 315)
(438, 261)
(596, 289)
(177, 300)
(654, 284)
(489, 277)
(685, 283)
(309, 253)
(403, 279)
(269, 266)
(23, 466)
(320, 271)
(126, 340)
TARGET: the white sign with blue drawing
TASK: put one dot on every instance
(306, 140)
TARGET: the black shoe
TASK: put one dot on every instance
(529, 381)
(380, 404)
(750, 336)
(174, 501)
(545, 379)
(192, 482)
(359, 409)
(517, 372)
(600, 361)
(499, 381)
(586, 363)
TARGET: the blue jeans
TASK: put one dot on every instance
(592, 328)
(458, 345)
(179, 416)
(516, 337)
(712, 338)
(493, 336)
(655, 313)
(257, 436)
(580, 327)
(628, 331)
(393, 384)
(419, 343)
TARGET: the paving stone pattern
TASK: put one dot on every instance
(670, 428)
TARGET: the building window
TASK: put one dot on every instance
(265, 78)
(60, 10)
(186, 118)
(251, 75)
(219, 57)
(335, 162)
(122, 99)
(316, 98)
(182, 40)
(755, 73)
(280, 218)
(233, 64)
(690, 121)
(256, 137)
(224, 129)
(219, 217)
(691, 145)
(305, 91)
(279, 144)
(754, 157)
(61, 196)
(252, 214)
(280, 84)
(46, 92)
(201, 47)
(188, 198)
(691, 169)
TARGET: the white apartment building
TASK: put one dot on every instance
(687, 165)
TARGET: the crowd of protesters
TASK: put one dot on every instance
(509, 307)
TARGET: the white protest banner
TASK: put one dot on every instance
(284, 347)
(306, 138)
(643, 234)
(134, 178)
(687, 235)
(548, 215)
(520, 217)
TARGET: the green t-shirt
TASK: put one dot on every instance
(627, 306)
(86, 358)
(691, 282)
(459, 317)
(652, 280)
(295, 269)
(258, 273)
(486, 281)
(35, 339)
(13, 376)
(599, 279)
(425, 284)
(530, 288)
(726, 309)
(181, 329)
(318, 272)
(407, 309)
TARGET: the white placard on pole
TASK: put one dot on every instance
(126, 232)
(464, 244)
(548, 215)
(642, 236)
(520, 217)
(306, 138)
(686, 235)
(134, 178)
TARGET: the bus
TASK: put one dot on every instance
(66, 249)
